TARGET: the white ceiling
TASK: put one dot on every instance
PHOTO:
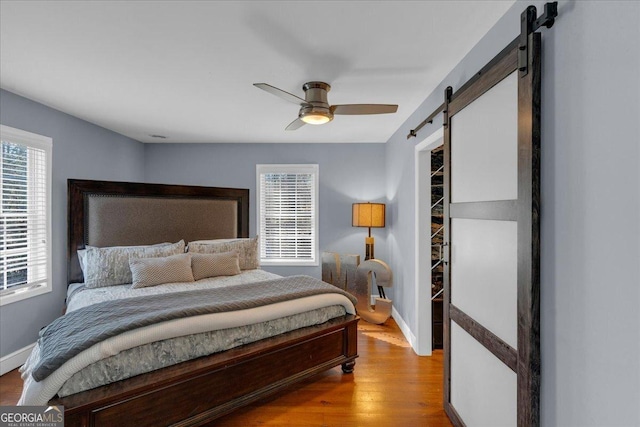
(184, 69)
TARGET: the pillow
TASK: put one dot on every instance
(81, 255)
(82, 252)
(156, 271)
(247, 250)
(213, 265)
(110, 266)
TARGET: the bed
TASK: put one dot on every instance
(193, 392)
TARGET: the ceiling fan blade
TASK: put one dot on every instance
(296, 124)
(281, 93)
(355, 109)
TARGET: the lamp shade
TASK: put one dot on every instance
(368, 215)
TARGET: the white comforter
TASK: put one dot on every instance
(39, 393)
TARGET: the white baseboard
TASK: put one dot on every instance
(404, 328)
(14, 360)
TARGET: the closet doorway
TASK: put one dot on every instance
(427, 244)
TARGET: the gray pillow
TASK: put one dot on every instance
(110, 266)
(82, 253)
(157, 271)
(247, 250)
(213, 265)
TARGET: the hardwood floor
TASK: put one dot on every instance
(390, 386)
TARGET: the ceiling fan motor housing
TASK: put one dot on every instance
(315, 108)
(315, 94)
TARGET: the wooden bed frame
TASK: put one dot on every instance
(198, 391)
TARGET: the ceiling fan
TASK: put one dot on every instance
(315, 109)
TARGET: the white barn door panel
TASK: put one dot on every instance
(484, 158)
(482, 397)
(484, 267)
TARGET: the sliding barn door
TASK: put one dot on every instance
(491, 278)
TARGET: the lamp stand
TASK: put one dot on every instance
(368, 248)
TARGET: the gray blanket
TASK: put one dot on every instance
(69, 335)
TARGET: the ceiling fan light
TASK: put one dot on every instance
(315, 118)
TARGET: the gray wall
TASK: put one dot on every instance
(590, 276)
(80, 150)
(348, 173)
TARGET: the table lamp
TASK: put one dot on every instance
(368, 215)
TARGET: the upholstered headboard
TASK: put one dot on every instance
(106, 213)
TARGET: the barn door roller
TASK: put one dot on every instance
(530, 24)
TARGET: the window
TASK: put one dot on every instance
(25, 214)
(288, 214)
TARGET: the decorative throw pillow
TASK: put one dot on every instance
(157, 271)
(110, 266)
(213, 265)
(82, 252)
(247, 250)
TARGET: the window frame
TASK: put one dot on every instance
(312, 169)
(32, 140)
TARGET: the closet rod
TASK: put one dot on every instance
(414, 132)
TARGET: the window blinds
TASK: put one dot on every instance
(24, 230)
(288, 213)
